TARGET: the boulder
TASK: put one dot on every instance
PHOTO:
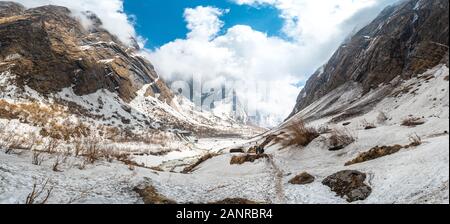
(349, 184)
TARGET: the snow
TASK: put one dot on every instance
(414, 175)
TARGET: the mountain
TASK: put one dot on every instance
(49, 55)
(403, 41)
(371, 126)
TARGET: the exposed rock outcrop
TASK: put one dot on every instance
(349, 184)
(302, 179)
(403, 41)
(48, 50)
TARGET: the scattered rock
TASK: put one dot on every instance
(238, 150)
(151, 196)
(375, 153)
(349, 184)
(413, 121)
(336, 148)
(303, 178)
(247, 158)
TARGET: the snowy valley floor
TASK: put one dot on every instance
(417, 174)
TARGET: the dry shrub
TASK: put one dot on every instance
(382, 117)
(32, 112)
(340, 139)
(415, 140)
(368, 125)
(37, 158)
(65, 131)
(39, 194)
(10, 141)
(92, 151)
(299, 135)
(412, 121)
(247, 158)
(58, 161)
(51, 146)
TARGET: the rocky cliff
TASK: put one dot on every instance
(48, 49)
(404, 40)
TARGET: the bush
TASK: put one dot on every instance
(415, 140)
(39, 194)
(413, 121)
(340, 139)
(367, 125)
(300, 135)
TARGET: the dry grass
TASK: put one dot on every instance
(382, 117)
(368, 125)
(92, 151)
(415, 140)
(60, 159)
(247, 158)
(299, 135)
(412, 121)
(340, 139)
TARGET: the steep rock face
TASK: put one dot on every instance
(403, 41)
(48, 50)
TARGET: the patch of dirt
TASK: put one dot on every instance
(234, 201)
(151, 196)
(247, 158)
(302, 179)
(199, 161)
(349, 184)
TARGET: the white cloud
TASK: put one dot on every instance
(203, 22)
(315, 29)
(109, 11)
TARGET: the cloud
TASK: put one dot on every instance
(312, 32)
(203, 22)
(109, 11)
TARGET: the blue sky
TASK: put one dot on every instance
(162, 21)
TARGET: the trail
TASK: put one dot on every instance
(278, 176)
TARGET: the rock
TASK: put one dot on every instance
(346, 123)
(303, 178)
(349, 184)
(247, 158)
(394, 46)
(48, 50)
(374, 153)
(238, 150)
(336, 148)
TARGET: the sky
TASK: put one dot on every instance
(264, 49)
